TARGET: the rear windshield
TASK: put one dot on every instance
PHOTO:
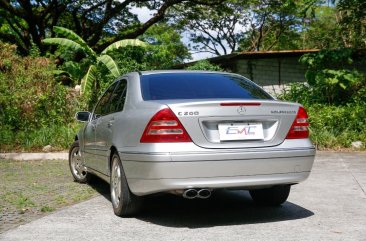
(167, 86)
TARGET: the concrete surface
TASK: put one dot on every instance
(35, 156)
(330, 205)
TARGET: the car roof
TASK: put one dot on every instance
(182, 72)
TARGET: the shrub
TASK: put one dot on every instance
(330, 78)
(30, 99)
(337, 126)
(335, 97)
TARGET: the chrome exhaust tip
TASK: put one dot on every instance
(190, 193)
(204, 193)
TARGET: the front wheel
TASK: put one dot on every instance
(124, 202)
(77, 168)
(272, 196)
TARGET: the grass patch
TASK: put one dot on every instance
(46, 209)
(31, 188)
(18, 200)
(61, 200)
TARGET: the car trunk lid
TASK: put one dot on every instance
(235, 123)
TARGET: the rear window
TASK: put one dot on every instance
(199, 86)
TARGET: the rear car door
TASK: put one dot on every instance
(105, 126)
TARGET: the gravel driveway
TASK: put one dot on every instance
(330, 205)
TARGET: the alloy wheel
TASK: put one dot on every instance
(77, 165)
(116, 183)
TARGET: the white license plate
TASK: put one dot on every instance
(241, 131)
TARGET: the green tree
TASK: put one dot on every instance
(275, 25)
(352, 21)
(214, 29)
(164, 50)
(321, 30)
(99, 22)
(250, 25)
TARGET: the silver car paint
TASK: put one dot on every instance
(157, 167)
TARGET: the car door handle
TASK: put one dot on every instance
(93, 125)
(110, 123)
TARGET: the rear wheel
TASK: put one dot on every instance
(77, 168)
(273, 196)
(124, 202)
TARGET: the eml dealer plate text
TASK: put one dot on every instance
(242, 131)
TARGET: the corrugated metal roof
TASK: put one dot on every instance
(253, 55)
(303, 51)
(263, 54)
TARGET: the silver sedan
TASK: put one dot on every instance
(190, 133)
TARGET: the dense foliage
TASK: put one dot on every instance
(330, 79)
(34, 109)
(204, 65)
(335, 97)
(336, 127)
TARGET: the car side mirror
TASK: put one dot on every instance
(82, 116)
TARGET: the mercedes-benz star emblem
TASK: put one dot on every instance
(241, 110)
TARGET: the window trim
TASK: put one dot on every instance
(123, 92)
(94, 117)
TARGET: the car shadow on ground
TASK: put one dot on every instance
(100, 186)
(224, 207)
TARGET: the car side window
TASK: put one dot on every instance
(115, 103)
(102, 107)
(122, 99)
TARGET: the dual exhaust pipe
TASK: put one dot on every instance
(196, 193)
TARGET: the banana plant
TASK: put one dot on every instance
(73, 41)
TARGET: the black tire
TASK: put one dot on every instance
(76, 165)
(273, 196)
(124, 202)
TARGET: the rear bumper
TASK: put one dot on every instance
(149, 173)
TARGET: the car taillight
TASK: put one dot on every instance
(300, 127)
(164, 126)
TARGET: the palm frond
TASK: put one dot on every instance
(110, 64)
(69, 34)
(63, 42)
(88, 80)
(124, 43)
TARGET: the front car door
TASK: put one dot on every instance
(91, 144)
(88, 141)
